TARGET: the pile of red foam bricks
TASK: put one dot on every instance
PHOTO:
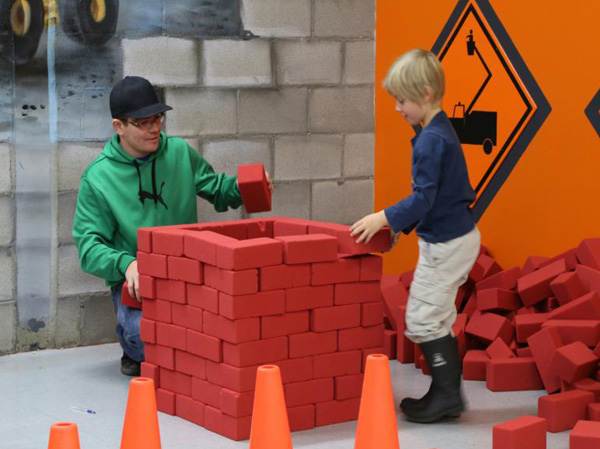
(223, 298)
(525, 328)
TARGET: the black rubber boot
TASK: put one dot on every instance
(129, 367)
(444, 399)
(408, 404)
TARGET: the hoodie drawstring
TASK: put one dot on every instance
(143, 195)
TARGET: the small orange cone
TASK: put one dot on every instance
(64, 435)
(270, 426)
(140, 428)
(377, 427)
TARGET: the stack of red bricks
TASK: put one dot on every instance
(221, 299)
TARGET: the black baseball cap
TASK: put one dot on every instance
(135, 97)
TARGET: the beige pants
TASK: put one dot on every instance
(442, 268)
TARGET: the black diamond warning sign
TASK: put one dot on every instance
(493, 101)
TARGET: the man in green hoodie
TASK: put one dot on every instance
(142, 178)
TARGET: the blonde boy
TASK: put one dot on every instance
(448, 237)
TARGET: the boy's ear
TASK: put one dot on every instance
(428, 96)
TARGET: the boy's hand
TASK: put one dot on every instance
(133, 281)
(368, 226)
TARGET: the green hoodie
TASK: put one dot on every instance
(118, 195)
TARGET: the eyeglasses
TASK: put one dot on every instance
(146, 125)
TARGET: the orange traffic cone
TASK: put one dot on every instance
(64, 435)
(270, 426)
(140, 428)
(377, 427)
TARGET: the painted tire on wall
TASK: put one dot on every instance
(89, 21)
(23, 20)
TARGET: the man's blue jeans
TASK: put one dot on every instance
(128, 326)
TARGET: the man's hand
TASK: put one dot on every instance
(368, 226)
(271, 188)
(133, 281)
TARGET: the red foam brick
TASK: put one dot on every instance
(254, 188)
(231, 282)
(333, 318)
(584, 331)
(301, 249)
(204, 346)
(573, 362)
(532, 263)
(512, 374)
(168, 241)
(342, 270)
(189, 409)
(360, 338)
(588, 253)
(190, 364)
(236, 429)
(347, 387)
(255, 352)
(309, 392)
(543, 344)
(284, 276)
(523, 432)
(312, 343)
(247, 254)
(202, 245)
(286, 324)
(490, 326)
(147, 287)
(380, 242)
(371, 267)
(563, 410)
(248, 306)
(127, 299)
(474, 365)
(394, 295)
(148, 330)
(499, 350)
(301, 418)
(359, 292)
(165, 401)
(305, 298)
(337, 364)
(187, 316)
(232, 331)
(169, 290)
(569, 257)
(586, 307)
(176, 382)
(371, 314)
(585, 435)
(337, 411)
(528, 324)
(152, 264)
(183, 269)
(171, 335)
(203, 297)
(506, 280)
(566, 287)
(497, 300)
(151, 372)
(535, 286)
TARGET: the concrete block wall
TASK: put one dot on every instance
(297, 95)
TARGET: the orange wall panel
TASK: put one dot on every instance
(551, 198)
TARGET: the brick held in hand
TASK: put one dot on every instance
(535, 286)
(254, 188)
(127, 299)
(563, 410)
(380, 242)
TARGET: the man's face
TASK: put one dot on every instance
(139, 137)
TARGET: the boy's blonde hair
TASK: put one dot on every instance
(412, 72)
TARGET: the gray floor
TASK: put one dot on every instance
(39, 389)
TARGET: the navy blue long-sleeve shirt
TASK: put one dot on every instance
(439, 204)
